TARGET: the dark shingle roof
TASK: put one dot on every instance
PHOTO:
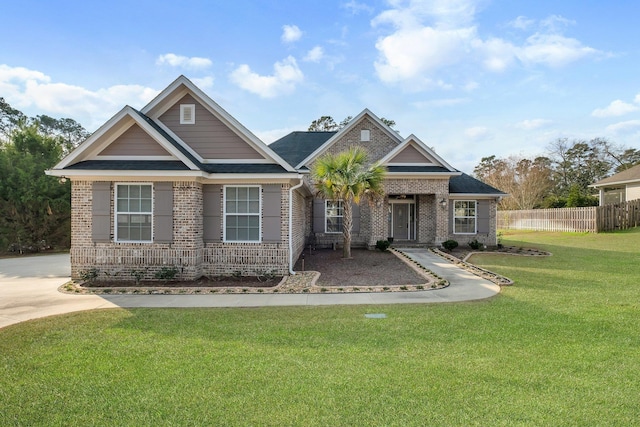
(409, 169)
(243, 168)
(465, 184)
(127, 165)
(297, 146)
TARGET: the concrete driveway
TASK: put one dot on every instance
(29, 290)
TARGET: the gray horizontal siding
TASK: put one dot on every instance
(134, 142)
(209, 137)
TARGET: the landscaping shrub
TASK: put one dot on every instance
(450, 245)
(383, 245)
(474, 244)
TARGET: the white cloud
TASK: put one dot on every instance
(522, 23)
(34, 93)
(290, 33)
(553, 50)
(477, 132)
(624, 127)
(286, 75)
(193, 63)
(355, 7)
(533, 124)
(616, 108)
(426, 38)
(315, 54)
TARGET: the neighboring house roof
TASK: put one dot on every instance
(465, 184)
(625, 177)
(297, 146)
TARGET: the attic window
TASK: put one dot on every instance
(187, 114)
(365, 135)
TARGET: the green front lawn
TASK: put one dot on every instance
(561, 347)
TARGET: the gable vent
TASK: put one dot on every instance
(365, 135)
(187, 114)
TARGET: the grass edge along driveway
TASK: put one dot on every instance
(561, 347)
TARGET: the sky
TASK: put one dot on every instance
(470, 78)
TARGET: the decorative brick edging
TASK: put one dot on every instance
(474, 269)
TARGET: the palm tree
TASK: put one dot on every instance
(347, 177)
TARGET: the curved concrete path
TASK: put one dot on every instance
(28, 290)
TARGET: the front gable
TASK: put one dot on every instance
(127, 136)
(134, 142)
(365, 130)
(411, 155)
(414, 156)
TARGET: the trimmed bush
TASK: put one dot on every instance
(383, 245)
(450, 245)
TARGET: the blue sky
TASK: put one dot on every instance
(471, 78)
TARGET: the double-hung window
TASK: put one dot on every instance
(334, 211)
(464, 216)
(134, 212)
(242, 214)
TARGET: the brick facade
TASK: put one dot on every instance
(187, 252)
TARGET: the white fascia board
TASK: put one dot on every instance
(366, 112)
(118, 175)
(423, 174)
(215, 109)
(612, 184)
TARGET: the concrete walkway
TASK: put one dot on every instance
(28, 290)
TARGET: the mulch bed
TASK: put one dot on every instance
(203, 282)
(365, 268)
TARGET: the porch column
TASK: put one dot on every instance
(442, 218)
(378, 223)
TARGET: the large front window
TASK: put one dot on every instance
(134, 212)
(334, 210)
(242, 214)
(464, 217)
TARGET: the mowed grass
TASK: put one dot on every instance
(561, 347)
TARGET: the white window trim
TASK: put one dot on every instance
(333, 216)
(116, 213)
(224, 214)
(475, 218)
(183, 107)
(365, 135)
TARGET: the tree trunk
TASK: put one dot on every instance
(347, 223)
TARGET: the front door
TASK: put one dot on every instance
(401, 221)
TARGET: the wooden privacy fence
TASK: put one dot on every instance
(590, 219)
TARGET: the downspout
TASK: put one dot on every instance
(293, 273)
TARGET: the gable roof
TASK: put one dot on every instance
(182, 85)
(86, 156)
(433, 163)
(625, 177)
(91, 146)
(366, 112)
(297, 146)
(468, 185)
